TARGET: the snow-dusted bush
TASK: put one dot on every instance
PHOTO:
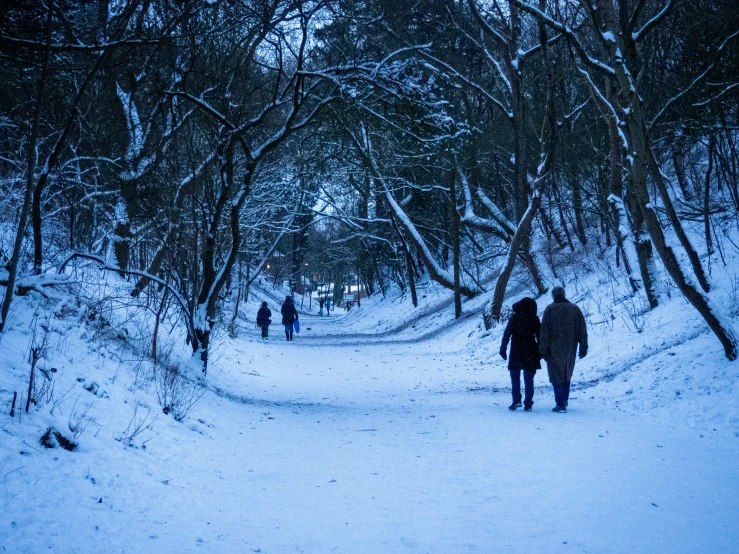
(176, 393)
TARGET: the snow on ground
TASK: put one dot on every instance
(358, 437)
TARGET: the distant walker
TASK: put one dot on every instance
(263, 319)
(289, 316)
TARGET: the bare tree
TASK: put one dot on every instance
(620, 34)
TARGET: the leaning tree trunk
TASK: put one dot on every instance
(677, 225)
(410, 267)
(529, 261)
(642, 161)
(721, 327)
(639, 147)
(436, 272)
(520, 236)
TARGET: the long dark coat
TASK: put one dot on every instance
(562, 331)
(263, 316)
(523, 332)
(289, 313)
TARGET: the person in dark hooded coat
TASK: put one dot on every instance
(523, 332)
(263, 319)
(289, 315)
(563, 332)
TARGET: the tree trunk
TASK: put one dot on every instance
(411, 276)
(200, 346)
(562, 218)
(707, 196)
(577, 205)
(678, 161)
(604, 209)
(31, 160)
(35, 355)
(232, 326)
(624, 228)
(516, 243)
(551, 230)
(157, 320)
(436, 273)
(677, 225)
(122, 243)
(522, 236)
(639, 147)
(622, 51)
(61, 142)
(521, 180)
(529, 262)
(721, 328)
(644, 258)
(454, 232)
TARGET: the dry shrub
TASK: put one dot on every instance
(176, 393)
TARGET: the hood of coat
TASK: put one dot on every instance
(525, 306)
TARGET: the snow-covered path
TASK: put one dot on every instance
(365, 446)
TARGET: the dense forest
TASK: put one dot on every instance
(194, 146)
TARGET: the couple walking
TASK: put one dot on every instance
(289, 318)
(555, 340)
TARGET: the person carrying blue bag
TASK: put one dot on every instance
(289, 316)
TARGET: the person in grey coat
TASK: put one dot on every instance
(562, 331)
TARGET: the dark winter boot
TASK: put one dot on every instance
(515, 406)
(560, 409)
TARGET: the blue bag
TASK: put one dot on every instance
(296, 326)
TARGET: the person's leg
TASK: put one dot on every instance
(291, 332)
(558, 392)
(516, 385)
(566, 393)
(287, 332)
(528, 379)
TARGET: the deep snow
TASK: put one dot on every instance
(359, 437)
